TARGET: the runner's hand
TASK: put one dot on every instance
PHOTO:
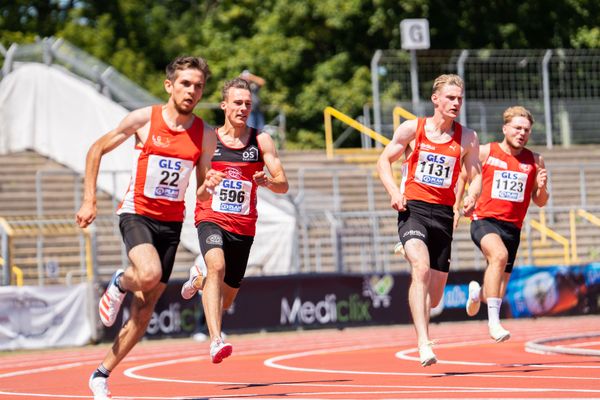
(212, 180)
(261, 179)
(86, 214)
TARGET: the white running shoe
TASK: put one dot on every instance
(111, 301)
(426, 355)
(195, 283)
(473, 302)
(99, 388)
(498, 333)
(220, 350)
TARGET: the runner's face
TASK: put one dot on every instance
(237, 106)
(516, 132)
(448, 100)
(187, 89)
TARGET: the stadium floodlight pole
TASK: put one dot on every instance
(547, 104)
(414, 81)
(460, 68)
(8, 59)
(375, 89)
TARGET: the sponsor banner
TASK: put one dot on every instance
(34, 317)
(285, 302)
(172, 317)
(339, 300)
(319, 300)
(531, 292)
(558, 290)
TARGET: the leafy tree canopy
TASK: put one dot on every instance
(312, 53)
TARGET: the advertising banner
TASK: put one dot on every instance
(531, 292)
(284, 303)
(34, 317)
(311, 301)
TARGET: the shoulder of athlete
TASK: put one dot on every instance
(539, 160)
(406, 132)
(138, 122)
(484, 151)
(265, 142)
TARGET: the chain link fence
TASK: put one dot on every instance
(561, 87)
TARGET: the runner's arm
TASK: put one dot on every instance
(392, 152)
(540, 194)
(108, 142)
(277, 182)
(207, 179)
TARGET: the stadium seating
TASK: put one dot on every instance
(341, 202)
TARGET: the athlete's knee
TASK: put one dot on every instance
(498, 258)
(217, 269)
(421, 272)
(149, 280)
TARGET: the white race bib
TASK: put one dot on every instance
(509, 185)
(167, 178)
(435, 169)
(232, 196)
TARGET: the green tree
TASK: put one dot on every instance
(312, 53)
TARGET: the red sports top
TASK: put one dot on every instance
(162, 170)
(507, 182)
(233, 204)
(430, 172)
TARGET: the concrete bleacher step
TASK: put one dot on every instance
(18, 198)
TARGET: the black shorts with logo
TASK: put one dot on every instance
(236, 248)
(508, 232)
(164, 236)
(432, 224)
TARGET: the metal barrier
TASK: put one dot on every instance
(560, 86)
(31, 226)
(330, 112)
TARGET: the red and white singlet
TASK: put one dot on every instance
(162, 170)
(507, 183)
(430, 172)
(233, 204)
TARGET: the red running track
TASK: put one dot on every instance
(360, 363)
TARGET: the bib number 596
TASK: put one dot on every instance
(231, 195)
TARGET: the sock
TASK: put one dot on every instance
(493, 304)
(101, 371)
(118, 283)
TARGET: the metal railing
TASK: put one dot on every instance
(330, 113)
(15, 228)
(327, 225)
(560, 86)
(110, 82)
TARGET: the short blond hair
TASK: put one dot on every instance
(447, 79)
(517, 111)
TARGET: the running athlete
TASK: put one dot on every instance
(512, 176)
(435, 149)
(170, 142)
(226, 218)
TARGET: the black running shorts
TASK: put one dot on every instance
(432, 224)
(508, 232)
(164, 236)
(236, 248)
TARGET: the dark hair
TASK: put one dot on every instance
(238, 83)
(187, 62)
